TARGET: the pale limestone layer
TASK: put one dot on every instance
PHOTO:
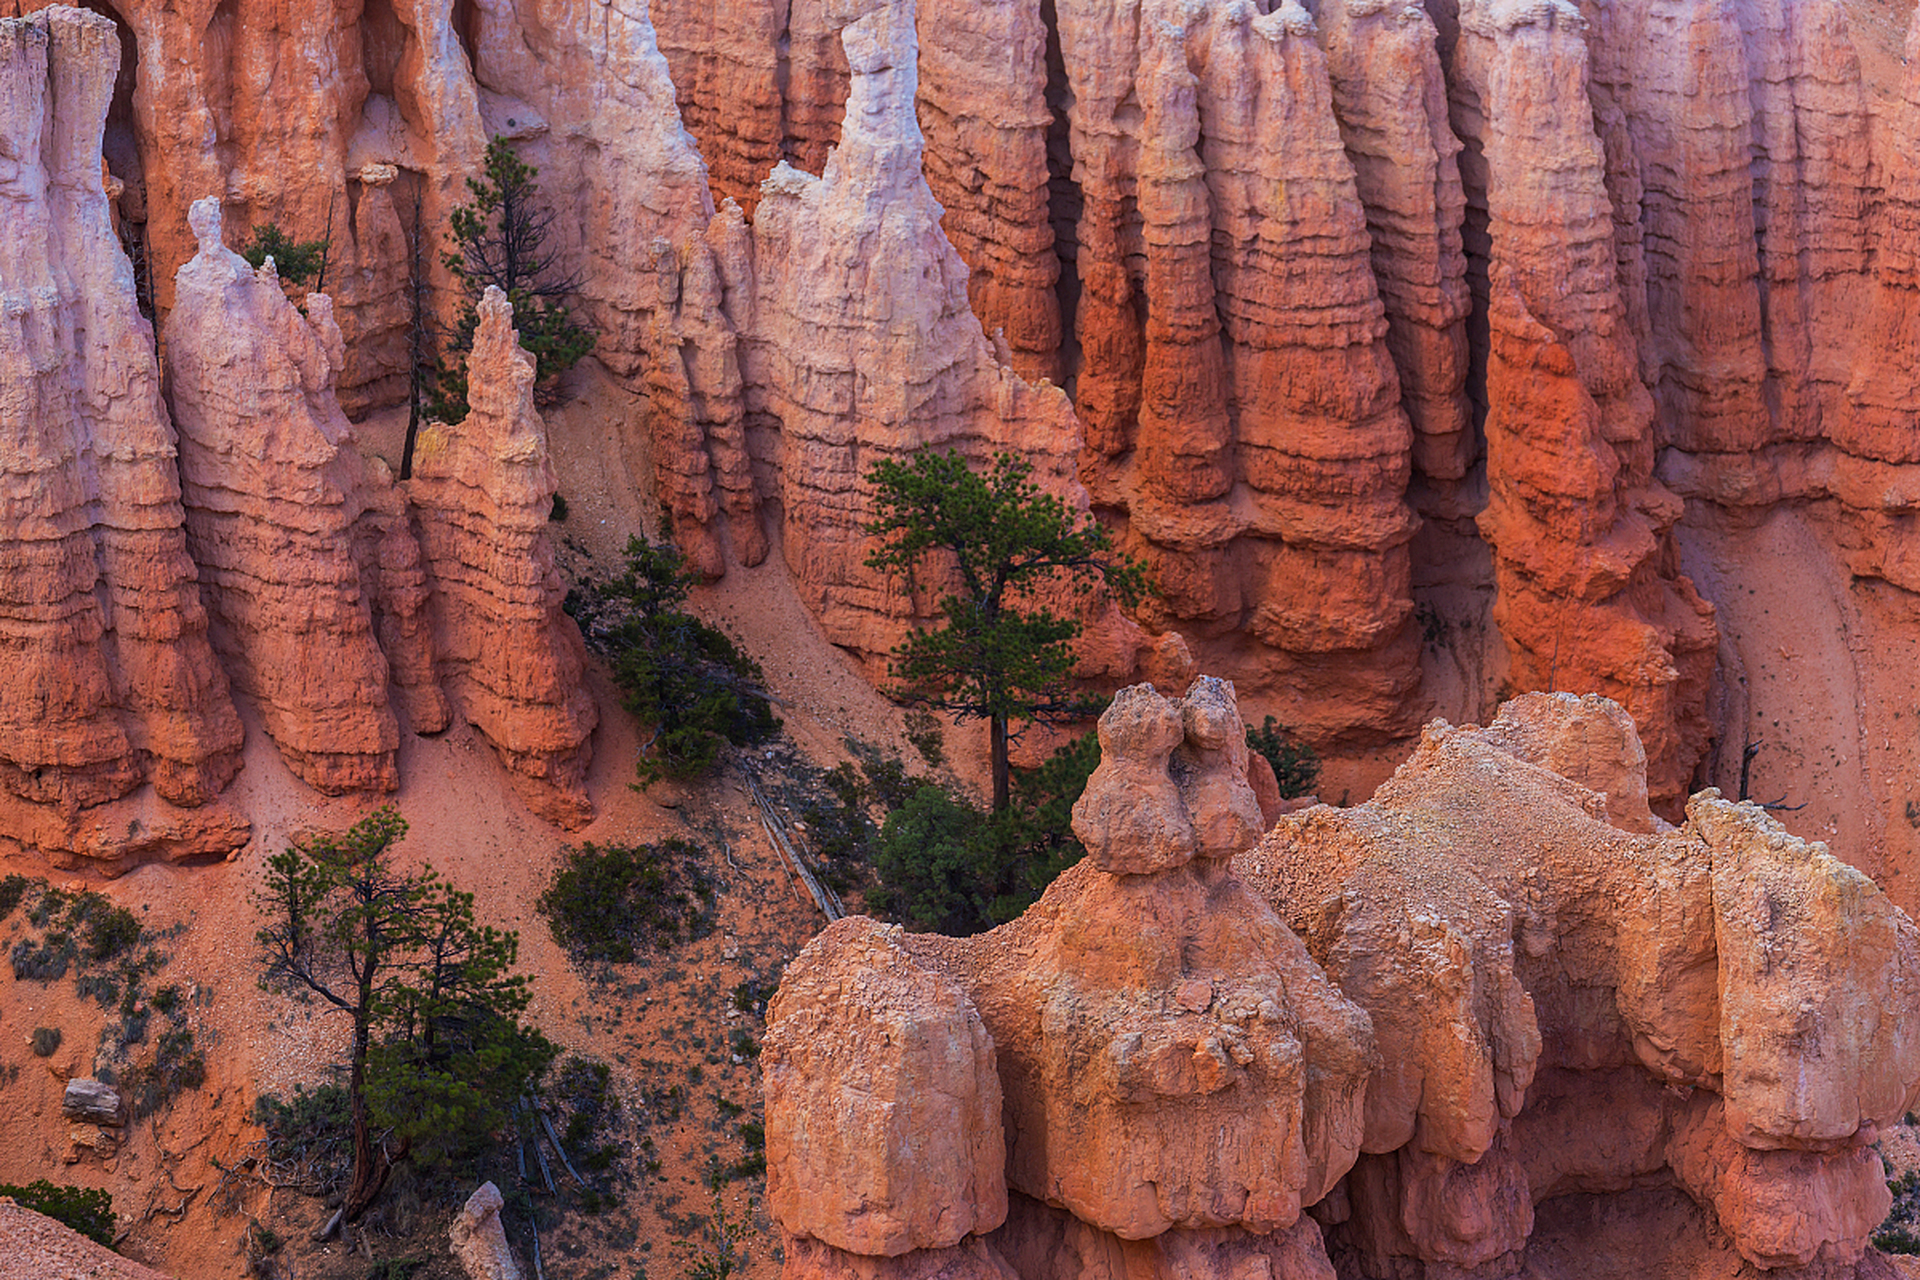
(275, 494)
(859, 347)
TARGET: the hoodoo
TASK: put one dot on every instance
(1420, 1032)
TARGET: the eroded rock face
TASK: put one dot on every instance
(145, 569)
(860, 345)
(1294, 264)
(883, 1132)
(109, 681)
(1589, 597)
(1508, 994)
(1171, 1066)
(514, 661)
(1566, 999)
(1306, 260)
(274, 493)
(584, 90)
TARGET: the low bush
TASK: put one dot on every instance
(177, 1067)
(309, 1138)
(945, 866)
(88, 1211)
(12, 890)
(1296, 766)
(611, 903)
(108, 932)
(1900, 1232)
(46, 1041)
(685, 679)
(297, 261)
(42, 959)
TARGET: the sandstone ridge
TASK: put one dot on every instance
(1401, 1039)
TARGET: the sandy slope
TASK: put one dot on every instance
(1818, 669)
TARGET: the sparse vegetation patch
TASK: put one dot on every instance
(88, 1211)
(1296, 766)
(614, 903)
(684, 679)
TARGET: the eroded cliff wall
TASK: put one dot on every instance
(111, 682)
(1377, 325)
(1625, 255)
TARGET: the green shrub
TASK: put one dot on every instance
(108, 931)
(1296, 766)
(12, 890)
(297, 261)
(1900, 1232)
(612, 902)
(90, 1212)
(928, 736)
(48, 905)
(934, 866)
(683, 678)
(177, 1066)
(751, 996)
(44, 960)
(499, 240)
(46, 1041)
(946, 867)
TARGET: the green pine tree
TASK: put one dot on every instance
(500, 240)
(438, 1053)
(1001, 655)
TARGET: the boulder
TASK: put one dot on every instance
(92, 1101)
(479, 1241)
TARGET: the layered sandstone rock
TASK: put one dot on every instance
(1390, 100)
(988, 166)
(635, 225)
(258, 545)
(884, 1129)
(1518, 996)
(275, 499)
(355, 125)
(1567, 1001)
(1268, 250)
(860, 347)
(1589, 593)
(514, 661)
(1251, 433)
(1171, 1066)
(109, 681)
